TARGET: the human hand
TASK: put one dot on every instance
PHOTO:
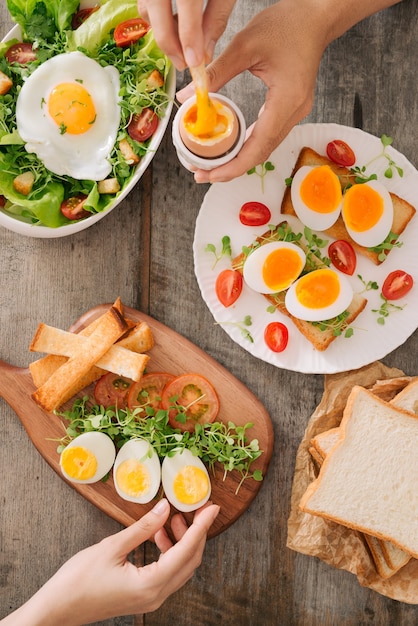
(99, 582)
(188, 38)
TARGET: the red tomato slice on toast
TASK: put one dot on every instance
(190, 399)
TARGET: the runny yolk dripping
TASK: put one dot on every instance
(206, 119)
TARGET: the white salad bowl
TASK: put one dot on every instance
(18, 225)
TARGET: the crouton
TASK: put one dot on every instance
(23, 183)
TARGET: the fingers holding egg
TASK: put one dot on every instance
(185, 481)
(137, 472)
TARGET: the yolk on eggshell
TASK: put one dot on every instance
(133, 478)
(79, 463)
(190, 485)
(318, 289)
(363, 207)
(206, 139)
(281, 268)
(321, 190)
(71, 107)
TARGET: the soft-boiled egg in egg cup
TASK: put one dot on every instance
(274, 266)
(88, 458)
(217, 147)
(137, 471)
(68, 114)
(319, 295)
(185, 481)
(316, 196)
(367, 212)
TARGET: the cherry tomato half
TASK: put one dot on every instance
(254, 214)
(340, 153)
(228, 286)
(143, 125)
(112, 390)
(396, 285)
(2, 201)
(130, 31)
(343, 256)
(81, 16)
(148, 391)
(276, 336)
(72, 208)
(196, 399)
(21, 53)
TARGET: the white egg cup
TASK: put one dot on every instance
(192, 161)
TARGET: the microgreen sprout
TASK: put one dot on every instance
(383, 248)
(247, 321)
(225, 249)
(369, 285)
(314, 246)
(337, 324)
(261, 171)
(226, 444)
(385, 309)
(360, 172)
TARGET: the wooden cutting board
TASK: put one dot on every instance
(172, 353)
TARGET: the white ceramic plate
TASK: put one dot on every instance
(219, 217)
(33, 230)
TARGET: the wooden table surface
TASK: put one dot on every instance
(142, 251)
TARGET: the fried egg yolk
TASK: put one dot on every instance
(318, 289)
(190, 485)
(133, 478)
(281, 268)
(320, 190)
(71, 107)
(363, 208)
(79, 463)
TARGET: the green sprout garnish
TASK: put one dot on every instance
(360, 175)
(337, 324)
(383, 248)
(369, 285)
(247, 321)
(225, 249)
(385, 309)
(261, 171)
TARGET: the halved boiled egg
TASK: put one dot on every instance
(319, 295)
(88, 458)
(185, 481)
(367, 212)
(273, 266)
(316, 196)
(137, 471)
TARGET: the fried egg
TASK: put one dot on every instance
(88, 458)
(137, 471)
(67, 113)
(367, 212)
(273, 266)
(319, 295)
(316, 196)
(185, 481)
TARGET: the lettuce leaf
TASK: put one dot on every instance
(42, 18)
(46, 209)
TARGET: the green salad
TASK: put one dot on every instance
(55, 27)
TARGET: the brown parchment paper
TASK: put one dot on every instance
(335, 544)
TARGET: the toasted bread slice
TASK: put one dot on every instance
(320, 338)
(403, 211)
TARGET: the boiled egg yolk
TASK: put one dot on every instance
(190, 485)
(318, 289)
(363, 208)
(71, 107)
(320, 190)
(206, 118)
(79, 463)
(133, 478)
(281, 268)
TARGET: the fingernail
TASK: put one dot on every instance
(160, 507)
(178, 62)
(191, 57)
(186, 92)
(201, 177)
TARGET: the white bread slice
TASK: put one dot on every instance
(403, 211)
(407, 399)
(368, 480)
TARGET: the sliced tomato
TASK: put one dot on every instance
(81, 16)
(130, 31)
(276, 336)
(343, 256)
(2, 201)
(228, 286)
(190, 399)
(21, 53)
(72, 208)
(148, 391)
(112, 390)
(143, 125)
(397, 284)
(340, 153)
(254, 214)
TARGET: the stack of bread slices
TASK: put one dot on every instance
(369, 474)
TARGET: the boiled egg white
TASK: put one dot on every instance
(137, 471)
(68, 114)
(185, 481)
(273, 266)
(316, 196)
(88, 458)
(367, 212)
(319, 295)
